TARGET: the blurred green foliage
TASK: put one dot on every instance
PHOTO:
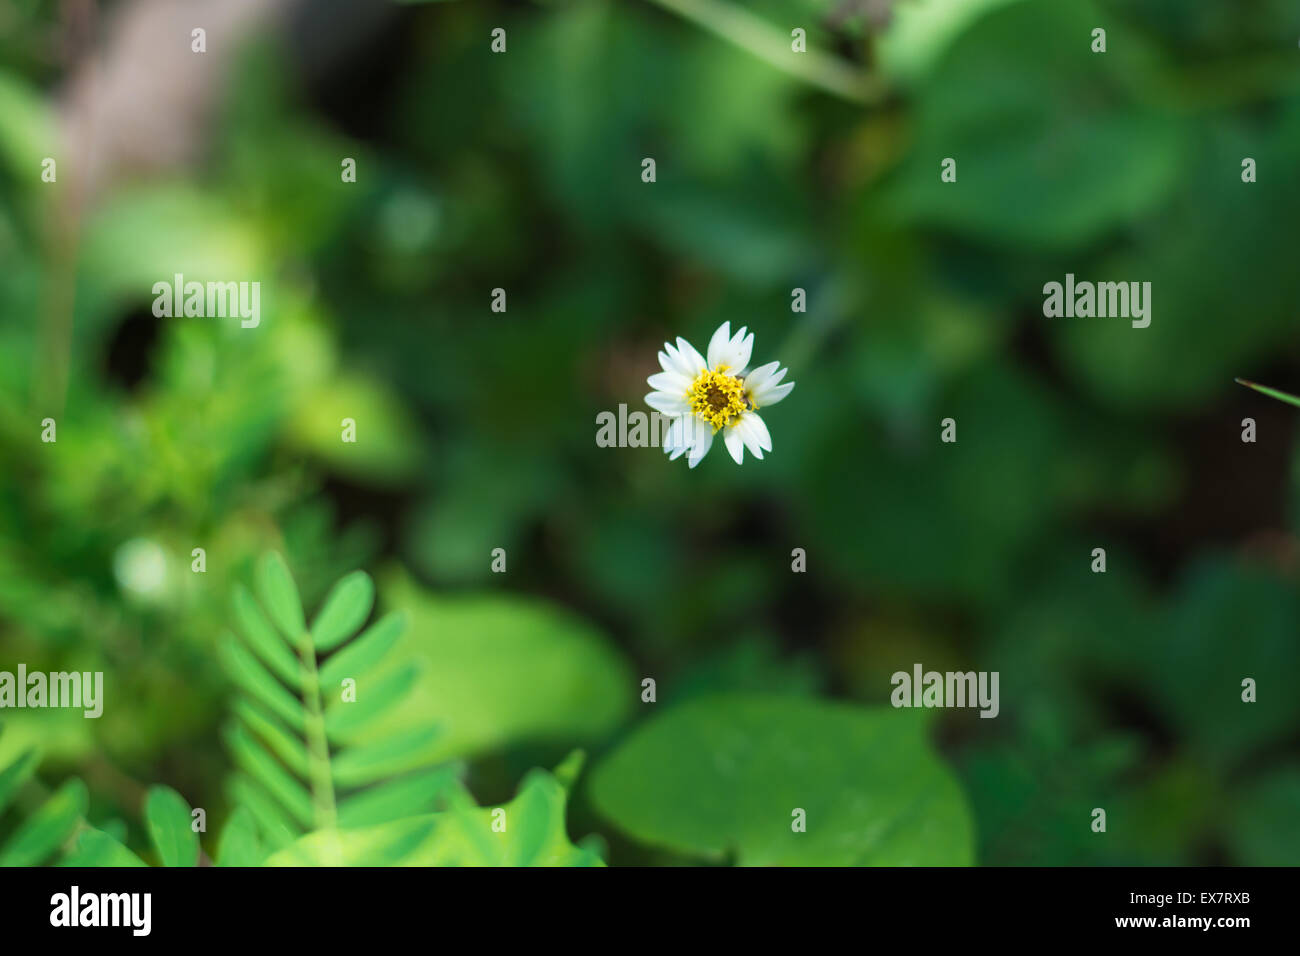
(720, 775)
(476, 429)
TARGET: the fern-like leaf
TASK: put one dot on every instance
(168, 818)
(169, 821)
(309, 757)
(39, 836)
(527, 831)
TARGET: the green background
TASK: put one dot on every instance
(476, 430)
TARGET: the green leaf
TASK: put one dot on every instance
(722, 777)
(346, 608)
(389, 442)
(290, 749)
(13, 776)
(253, 758)
(97, 848)
(292, 779)
(570, 768)
(27, 127)
(343, 719)
(405, 796)
(279, 595)
(363, 653)
(263, 638)
(239, 843)
(534, 835)
(254, 680)
(397, 843)
(920, 31)
(196, 232)
(1244, 233)
(274, 825)
(38, 837)
(1027, 140)
(374, 760)
(501, 669)
(167, 817)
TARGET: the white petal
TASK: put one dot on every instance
(674, 443)
(770, 394)
(666, 403)
(753, 431)
(670, 360)
(673, 382)
(763, 375)
(742, 347)
(718, 344)
(731, 351)
(735, 445)
(692, 360)
(703, 442)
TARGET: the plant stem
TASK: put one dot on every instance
(318, 751)
(755, 35)
(62, 237)
(1270, 392)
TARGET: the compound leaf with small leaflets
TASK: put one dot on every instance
(169, 822)
(167, 816)
(38, 835)
(312, 736)
(527, 831)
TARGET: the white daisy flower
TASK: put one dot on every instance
(722, 394)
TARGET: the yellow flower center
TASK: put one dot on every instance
(717, 397)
